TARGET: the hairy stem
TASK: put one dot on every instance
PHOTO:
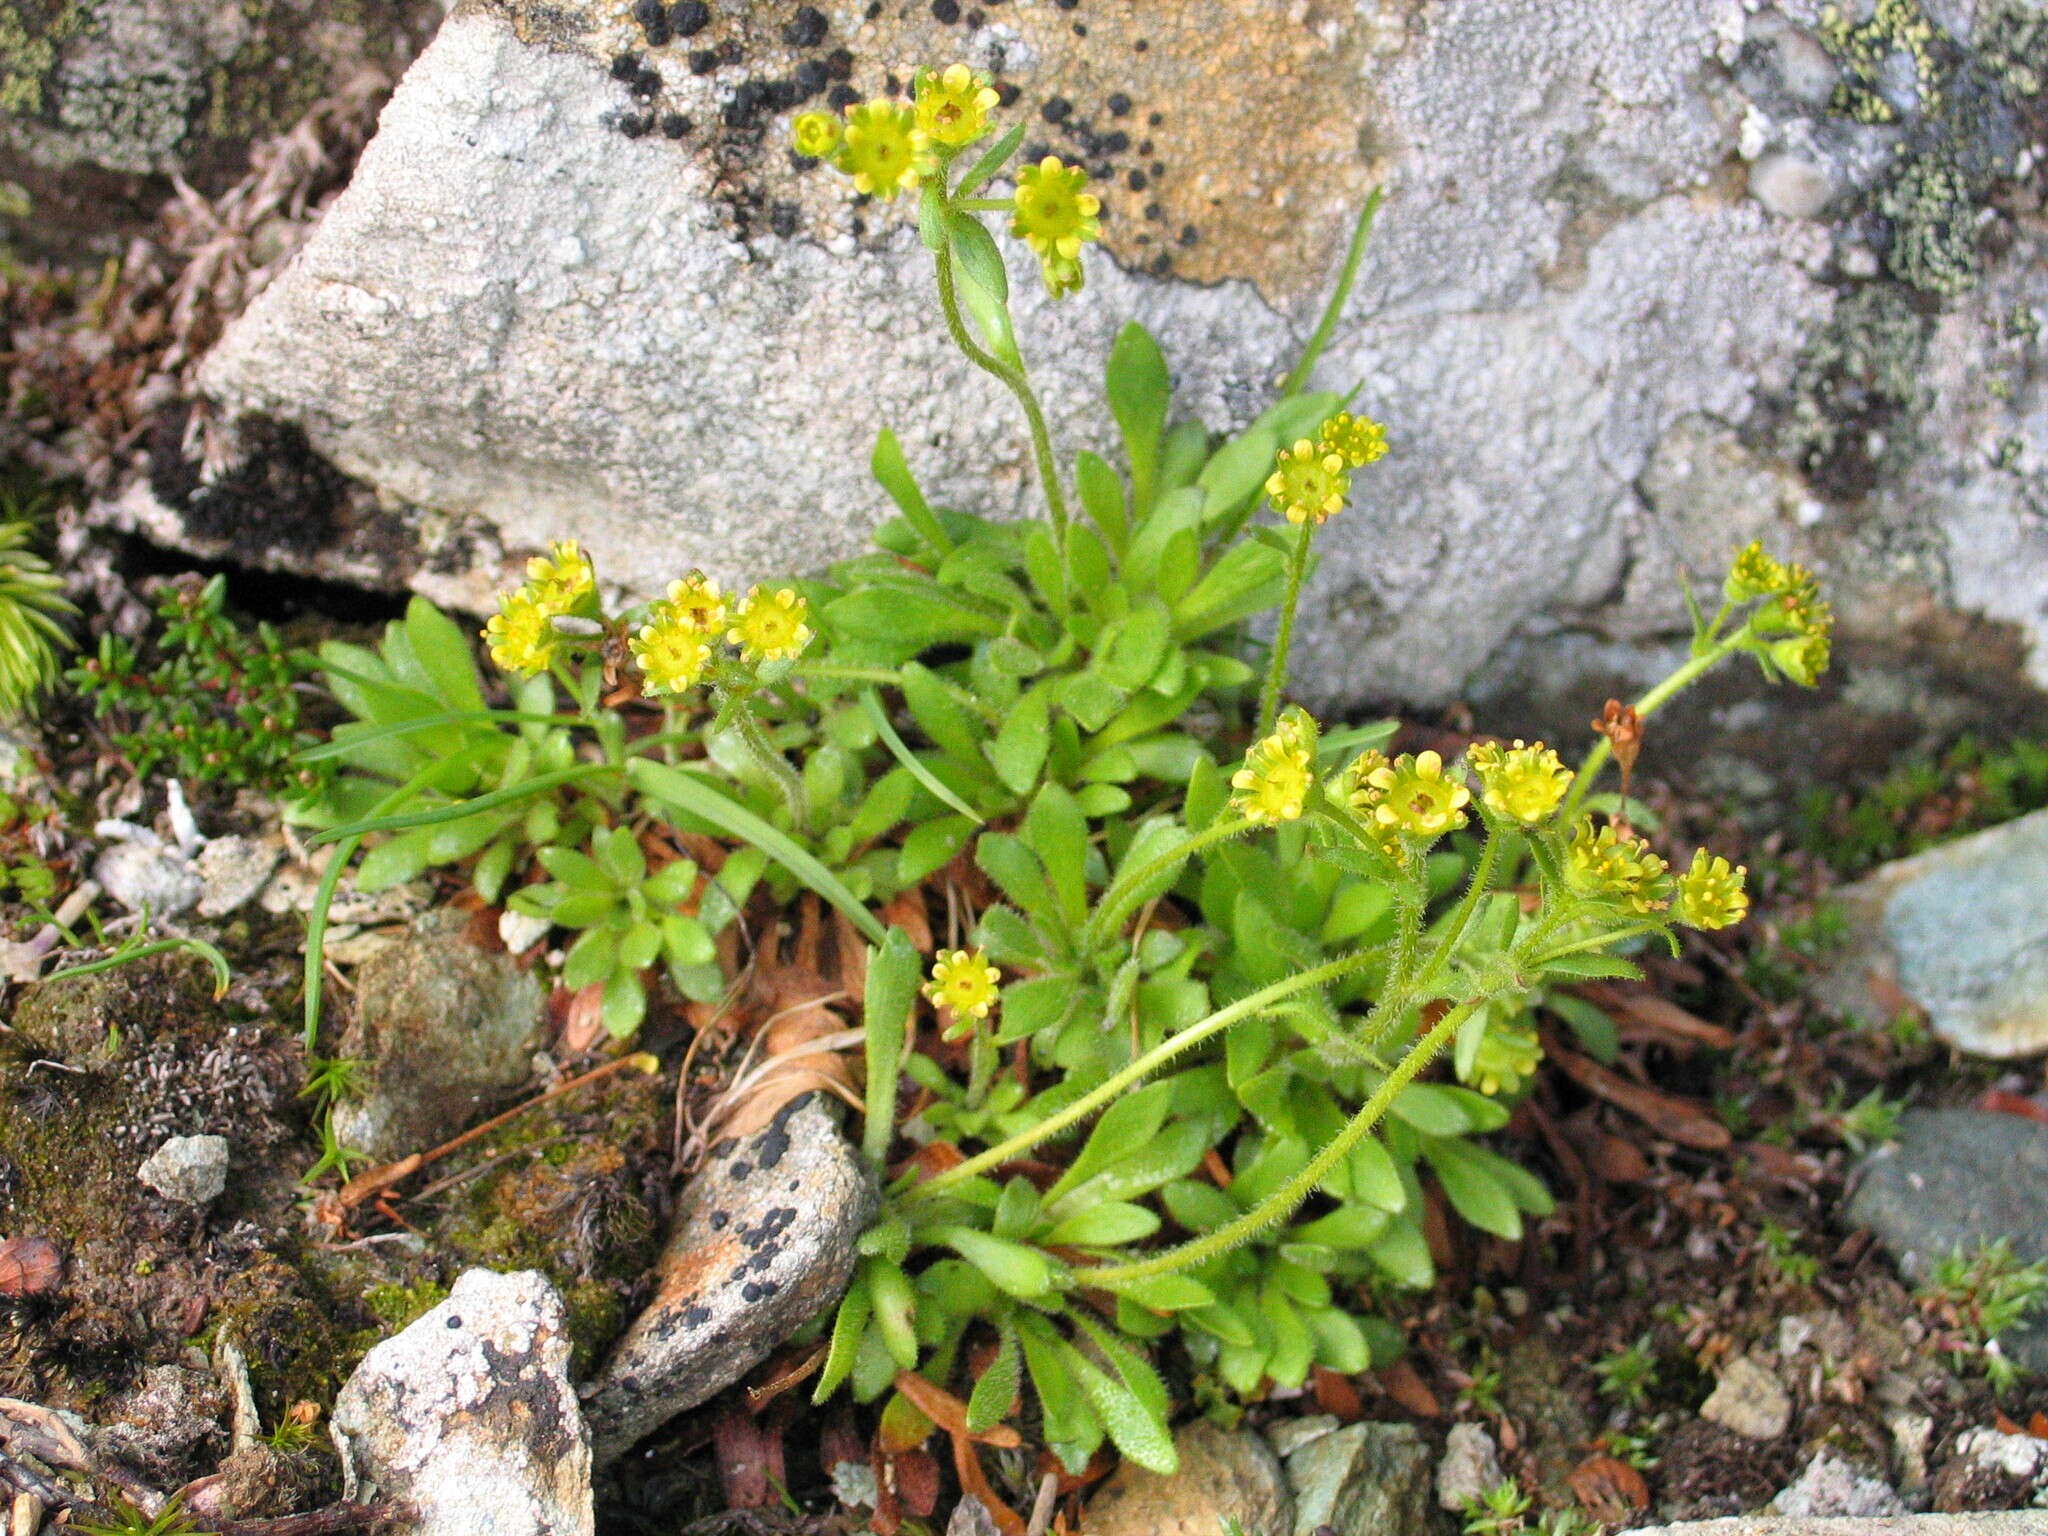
(1647, 705)
(1118, 901)
(775, 765)
(1277, 1205)
(1283, 637)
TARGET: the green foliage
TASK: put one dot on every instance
(1974, 784)
(1500, 1511)
(32, 606)
(1982, 1294)
(213, 702)
(1195, 1012)
(1783, 1255)
(125, 1519)
(1628, 1375)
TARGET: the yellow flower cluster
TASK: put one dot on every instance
(1414, 796)
(1617, 866)
(562, 583)
(1521, 783)
(1710, 893)
(675, 646)
(1273, 784)
(952, 108)
(964, 984)
(1055, 214)
(1311, 479)
(1508, 1056)
(1793, 611)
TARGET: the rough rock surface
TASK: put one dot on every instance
(1829, 1487)
(191, 1169)
(447, 1028)
(102, 100)
(1960, 932)
(1224, 1475)
(763, 1241)
(2016, 1522)
(1362, 1480)
(468, 1415)
(1748, 1399)
(1956, 1178)
(1594, 305)
(1470, 1467)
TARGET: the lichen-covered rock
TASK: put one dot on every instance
(1469, 1469)
(1749, 1400)
(1959, 932)
(1830, 1488)
(763, 1241)
(189, 1169)
(1362, 1480)
(469, 1416)
(102, 100)
(1224, 1475)
(1609, 235)
(447, 1029)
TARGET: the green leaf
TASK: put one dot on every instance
(931, 847)
(1072, 1430)
(1008, 861)
(1129, 1122)
(975, 249)
(1133, 1428)
(1594, 1027)
(895, 1310)
(1016, 1210)
(907, 619)
(1091, 700)
(1237, 471)
(893, 972)
(1340, 1343)
(995, 1391)
(848, 1324)
(1245, 580)
(1020, 1271)
(1102, 495)
(625, 1004)
(1018, 752)
(1139, 387)
(1167, 1293)
(892, 472)
(697, 797)
(1057, 832)
(442, 651)
(952, 729)
(992, 160)
(1586, 965)
(1034, 1004)
(931, 212)
(1171, 1154)
(872, 703)
(1106, 1225)
(590, 959)
(1474, 1192)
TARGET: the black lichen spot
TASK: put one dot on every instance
(1080, 29)
(1189, 234)
(1153, 210)
(975, 20)
(1116, 143)
(782, 219)
(1007, 93)
(675, 126)
(1155, 118)
(839, 63)
(742, 1169)
(1033, 153)
(730, 52)
(637, 125)
(719, 1219)
(1119, 105)
(1066, 5)
(703, 61)
(751, 1291)
(810, 78)
(454, 1321)
(696, 1315)
(281, 496)
(1136, 181)
(689, 17)
(874, 9)
(806, 29)
(625, 66)
(946, 12)
(840, 97)
(1056, 109)
(1141, 45)
(1162, 264)
(765, 1288)
(645, 84)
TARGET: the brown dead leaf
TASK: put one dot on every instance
(784, 1372)
(917, 1481)
(1617, 1160)
(1610, 1489)
(749, 1458)
(2037, 1426)
(949, 1413)
(583, 1019)
(1996, 1101)
(1337, 1394)
(795, 1054)
(975, 1484)
(907, 911)
(1645, 1014)
(29, 1266)
(1400, 1382)
(1672, 1118)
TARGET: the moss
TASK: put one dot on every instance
(397, 1305)
(1932, 203)
(1848, 418)
(1864, 49)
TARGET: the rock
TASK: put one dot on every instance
(1748, 1399)
(468, 1414)
(448, 1029)
(1958, 931)
(483, 324)
(1224, 1475)
(1471, 1466)
(1791, 187)
(763, 1241)
(145, 876)
(1986, 1468)
(192, 1169)
(2021, 1456)
(2018, 1522)
(971, 1518)
(1290, 1435)
(101, 103)
(1831, 1488)
(1362, 1480)
(234, 870)
(1959, 1178)
(166, 1425)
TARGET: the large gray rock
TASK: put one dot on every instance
(679, 351)
(1959, 931)
(1956, 1179)
(1362, 1480)
(446, 1029)
(1830, 1487)
(763, 1241)
(2016, 1522)
(469, 1416)
(1224, 1475)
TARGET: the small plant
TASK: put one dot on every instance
(1870, 1122)
(1981, 1294)
(1973, 784)
(1501, 1510)
(32, 607)
(210, 700)
(127, 1519)
(1783, 1255)
(1628, 1375)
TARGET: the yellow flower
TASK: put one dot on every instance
(696, 602)
(1711, 894)
(816, 134)
(1053, 211)
(1755, 574)
(1417, 798)
(1617, 867)
(1522, 783)
(1062, 276)
(1358, 440)
(561, 578)
(1310, 481)
(672, 653)
(1803, 658)
(518, 634)
(953, 108)
(964, 983)
(770, 625)
(1508, 1055)
(1273, 784)
(1355, 788)
(885, 151)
